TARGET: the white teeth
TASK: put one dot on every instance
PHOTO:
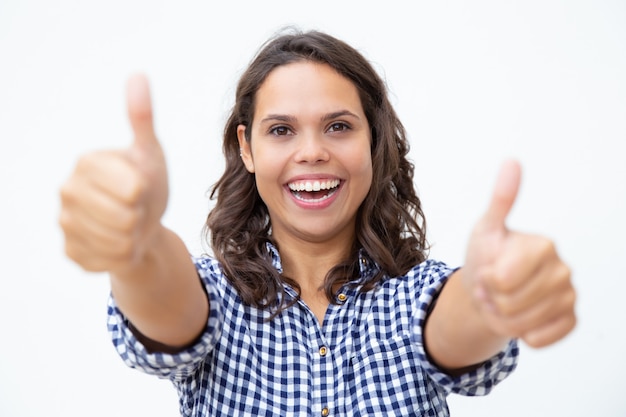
(313, 200)
(298, 187)
(313, 185)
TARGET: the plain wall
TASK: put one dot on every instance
(474, 82)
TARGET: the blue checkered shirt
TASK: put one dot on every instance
(367, 359)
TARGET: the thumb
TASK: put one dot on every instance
(140, 111)
(504, 195)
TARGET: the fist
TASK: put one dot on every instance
(112, 203)
(517, 281)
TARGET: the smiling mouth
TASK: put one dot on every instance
(314, 191)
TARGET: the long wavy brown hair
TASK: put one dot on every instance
(390, 225)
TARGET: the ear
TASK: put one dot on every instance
(244, 149)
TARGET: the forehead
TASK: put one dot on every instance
(306, 86)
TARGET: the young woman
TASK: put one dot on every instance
(319, 298)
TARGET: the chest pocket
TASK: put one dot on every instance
(386, 377)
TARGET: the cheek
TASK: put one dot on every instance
(366, 165)
(267, 174)
(365, 174)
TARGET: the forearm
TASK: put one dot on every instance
(456, 335)
(161, 293)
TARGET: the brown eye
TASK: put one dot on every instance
(280, 130)
(338, 127)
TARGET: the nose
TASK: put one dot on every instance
(312, 148)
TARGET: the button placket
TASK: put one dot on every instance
(323, 381)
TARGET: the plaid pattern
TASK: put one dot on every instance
(367, 359)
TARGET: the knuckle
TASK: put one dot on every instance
(565, 272)
(546, 247)
(570, 299)
(70, 251)
(67, 193)
(533, 340)
(64, 221)
(563, 282)
(572, 322)
(86, 162)
(76, 253)
(501, 281)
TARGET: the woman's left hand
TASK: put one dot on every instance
(517, 281)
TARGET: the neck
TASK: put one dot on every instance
(308, 263)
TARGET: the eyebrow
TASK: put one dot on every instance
(290, 119)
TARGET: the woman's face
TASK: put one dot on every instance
(310, 152)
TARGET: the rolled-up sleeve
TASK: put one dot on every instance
(165, 365)
(478, 381)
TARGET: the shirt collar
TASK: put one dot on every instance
(276, 262)
(368, 266)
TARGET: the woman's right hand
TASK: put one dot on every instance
(112, 204)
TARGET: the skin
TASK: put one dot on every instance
(513, 285)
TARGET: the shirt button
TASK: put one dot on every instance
(325, 411)
(323, 351)
(342, 297)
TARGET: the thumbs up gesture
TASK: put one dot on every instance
(517, 281)
(112, 204)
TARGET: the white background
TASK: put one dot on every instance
(474, 82)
